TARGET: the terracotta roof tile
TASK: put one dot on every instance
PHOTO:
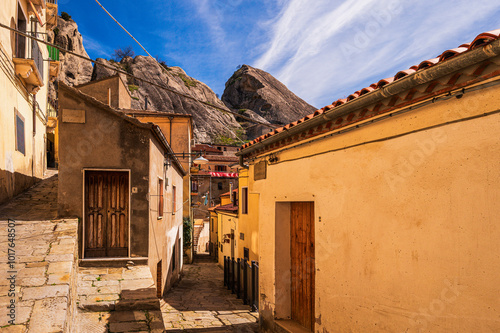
(450, 53)
(383, 82)
(402, 74)
(428, 63)
(480, 40)
(484, 38)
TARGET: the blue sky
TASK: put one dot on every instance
(321, 49)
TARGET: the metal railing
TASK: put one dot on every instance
(33, 52)
(52, 1)
(36, 55)
(242, 279)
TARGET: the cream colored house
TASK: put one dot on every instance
(24, 75)
(379, 213)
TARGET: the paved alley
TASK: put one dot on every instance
(38, 260)
(200, 303)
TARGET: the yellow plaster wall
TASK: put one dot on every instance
(406, 228)
(248, 224)
(226, 222)
(19, 171)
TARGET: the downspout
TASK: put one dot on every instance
(454, 64)
(170, 123)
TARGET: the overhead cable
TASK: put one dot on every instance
(137, 78)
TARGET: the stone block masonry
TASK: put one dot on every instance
(45, 276)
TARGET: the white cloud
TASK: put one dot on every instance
(96, 47)
(323, 52)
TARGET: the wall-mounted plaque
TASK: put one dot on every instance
(73, 116)
(260, 170)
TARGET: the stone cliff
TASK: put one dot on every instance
(250, 91)
(257, 94)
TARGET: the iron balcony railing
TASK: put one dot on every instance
(33, 51)
(52, 1)
(36, 55)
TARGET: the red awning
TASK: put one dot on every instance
(224, 174)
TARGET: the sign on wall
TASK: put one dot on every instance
(260, 170)
(73, 116)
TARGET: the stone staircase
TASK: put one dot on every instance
(197, 231)
(118, 299)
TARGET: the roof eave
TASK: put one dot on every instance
(427, 75)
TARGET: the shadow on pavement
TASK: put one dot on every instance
(37, 203)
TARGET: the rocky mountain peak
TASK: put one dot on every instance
(252, 89)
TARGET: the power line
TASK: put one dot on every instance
(136, 77)
(121, 26)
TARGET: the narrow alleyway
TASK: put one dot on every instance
(200, 303)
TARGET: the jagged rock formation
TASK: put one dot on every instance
(74, 70)
(258, 95)
(210, 125)
(250, 91)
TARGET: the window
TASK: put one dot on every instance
(173, 257)
(160, 198)
(246, 253)
(20, 142)
(244, 200)
(219, 185)
(174, 192)
(220, 168)
(21, 40)
(194, 186)
(225, 149)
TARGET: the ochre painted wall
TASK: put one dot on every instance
(248, 224)
(111, 91)
(406, 228)
(226, 223)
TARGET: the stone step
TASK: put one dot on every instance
(116, 289)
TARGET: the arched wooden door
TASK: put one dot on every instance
(106, 214)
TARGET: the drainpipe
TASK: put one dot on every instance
(170, 122)
(452, 65)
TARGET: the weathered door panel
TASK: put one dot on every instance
(106, 213)
(302, 263)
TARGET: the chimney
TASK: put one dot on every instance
(146, 103)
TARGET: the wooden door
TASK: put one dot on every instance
(106, 214)
(302, 263)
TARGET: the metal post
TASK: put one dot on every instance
(225, 271)
(245, 281)
(238, 278)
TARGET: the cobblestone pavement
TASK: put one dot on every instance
(37, 203)
(200, 303)
(118, 300)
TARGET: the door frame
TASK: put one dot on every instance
(84, 170)
(282, 260)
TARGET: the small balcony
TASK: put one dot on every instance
(29, 63)
(51, 14)
(54, 62)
